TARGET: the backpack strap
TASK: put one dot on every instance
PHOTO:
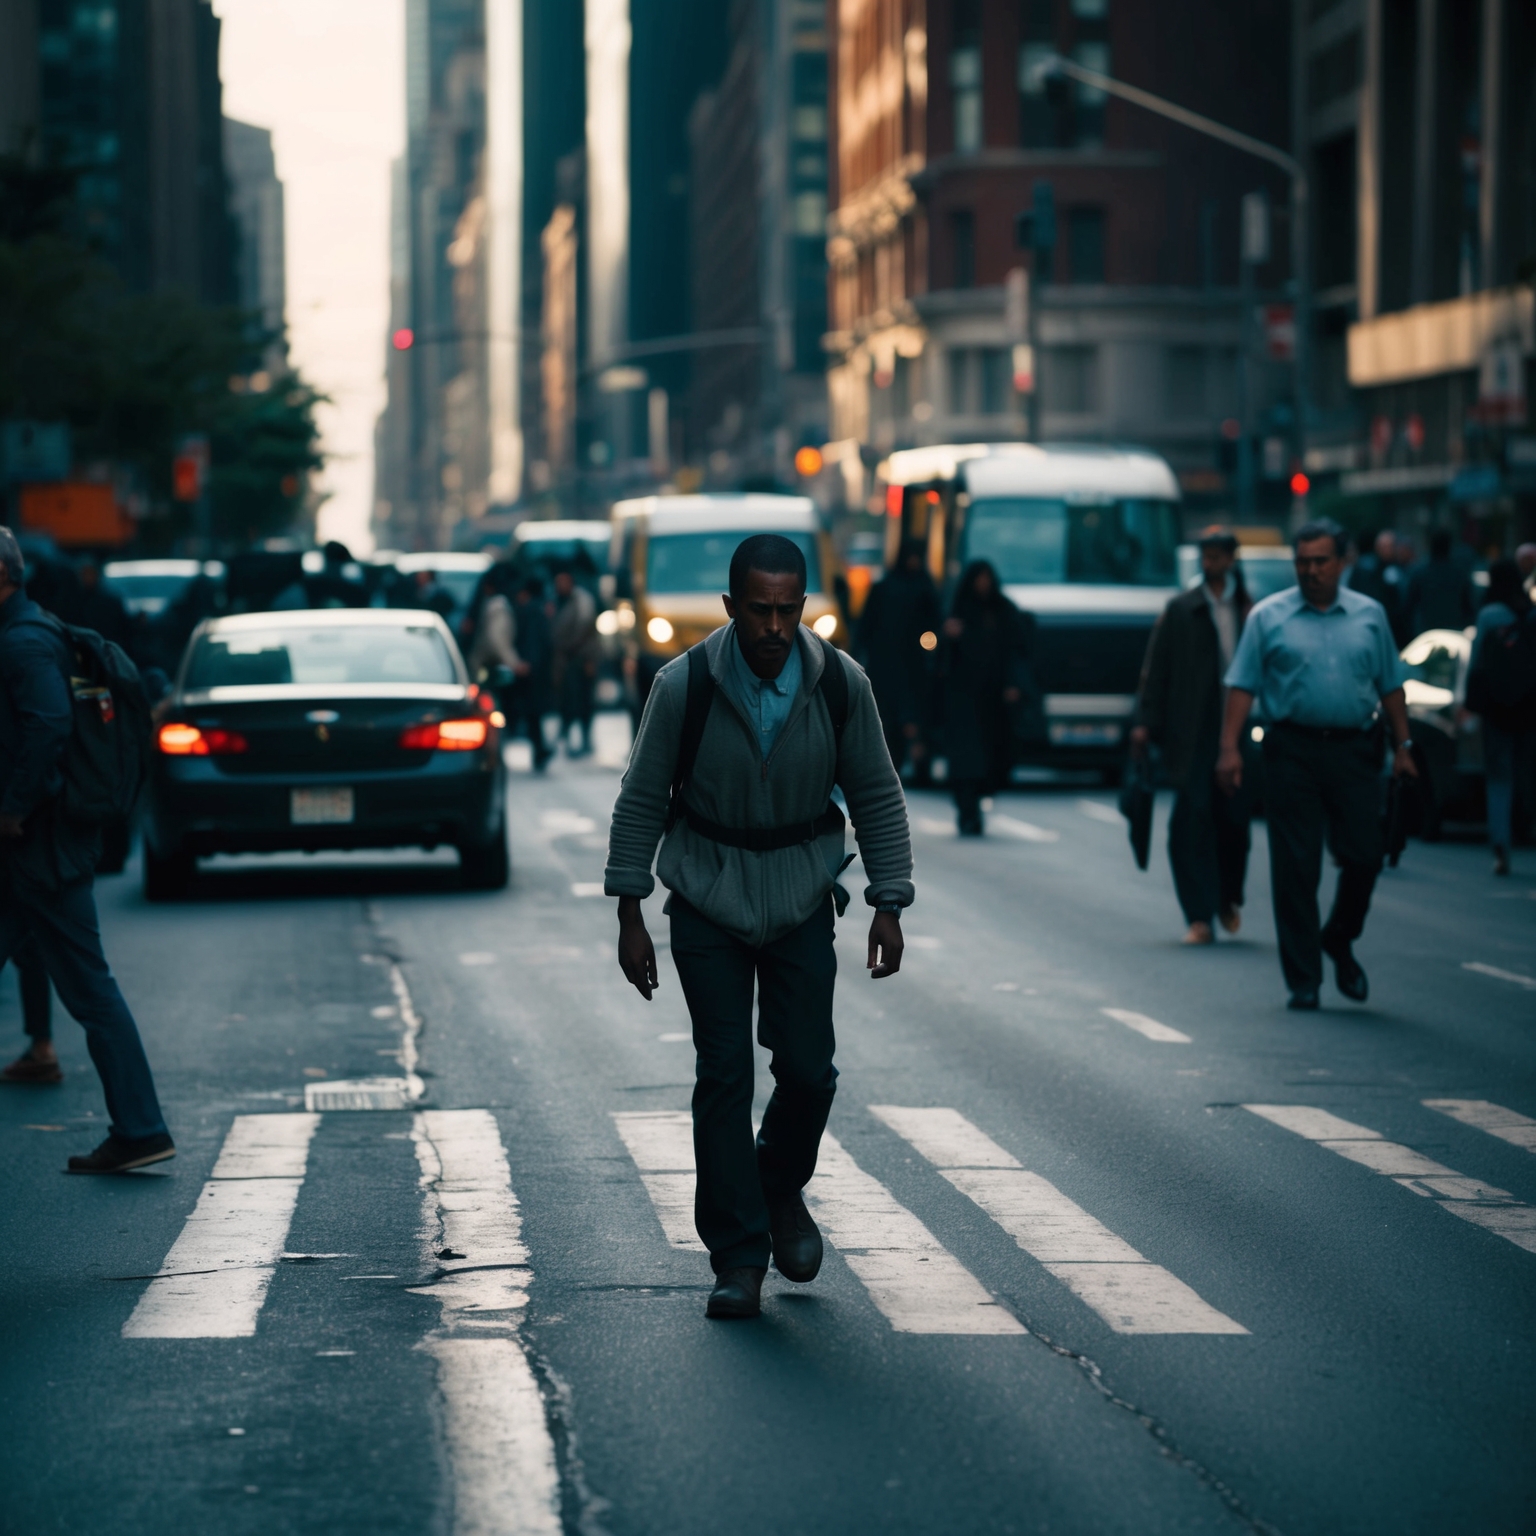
(834, 689)
(701, 697)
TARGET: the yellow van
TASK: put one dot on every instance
(671, 558)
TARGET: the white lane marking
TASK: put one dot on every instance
(924, 941)
(381, 1093)
(1025, 831)
(584, 888)
(499, 1448)
(505, 1481)
(674, 1037)
(1096, 810)
(660, 1144)
(1484, 1205)
(214, 1280)
(1506, 1124)
(1145, 1026)
(911, 1277)
(1499, 975)
(478, 957)
(934, 827)
(1130, 1293)
(564, 823)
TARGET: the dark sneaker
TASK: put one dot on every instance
(30, 1072)
(796, 1242)
(1348, 975)
(737, 1293)
(117, 1154)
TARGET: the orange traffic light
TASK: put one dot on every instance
(808, 461)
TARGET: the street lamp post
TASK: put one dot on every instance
(1058, 67)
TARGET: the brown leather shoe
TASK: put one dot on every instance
(29, 1072)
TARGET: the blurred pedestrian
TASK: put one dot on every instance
(493, 660)
(897, 637)
(576, 652)
(46, 871)
(38, 1065)
(1377, 574)
(742, 740)
(983, 652)
(92, 606)
(1525, 559)
(1179, 709)
(427, 591)
(529, 697)
(1440, 594)
(1501, 687)
(1322, 662)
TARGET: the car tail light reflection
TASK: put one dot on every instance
(446, 735)
(178, 740)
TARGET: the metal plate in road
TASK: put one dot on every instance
(1084, 733)
(321, 807)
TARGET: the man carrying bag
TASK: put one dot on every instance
(741, 743)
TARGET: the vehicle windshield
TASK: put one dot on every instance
(1433, 658)
(701, 562)
(146, 594)
(1264, 578)
(372, 653)
(1035, 540)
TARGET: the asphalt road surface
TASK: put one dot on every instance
(1115, 1243)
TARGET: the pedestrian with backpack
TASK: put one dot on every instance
(741, 743)
(69, 756)
(1501, 687)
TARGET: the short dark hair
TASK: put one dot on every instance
(770, 553)
(1321, 528)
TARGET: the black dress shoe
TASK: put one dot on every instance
(1347, 973)
(737, 1293)
(1303, 1002)
(796, 1242)
(119, 1154)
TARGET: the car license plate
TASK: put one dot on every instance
(1084, 733)
(321, 807)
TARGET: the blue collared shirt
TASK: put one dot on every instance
(1317, 668)
(766, 702)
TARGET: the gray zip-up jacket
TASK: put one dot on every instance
(758, 897)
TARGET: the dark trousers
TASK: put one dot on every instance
(1318, 789)
(525, 704)
(794, 976)
(577, 689)
(1208, 840)
(36, 993)
(63, 926)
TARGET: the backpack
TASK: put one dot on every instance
(106, 759)
(833, 687)
(1505, 674)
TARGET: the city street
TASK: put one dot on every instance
(1075, 1281)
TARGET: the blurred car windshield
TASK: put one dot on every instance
(1031, 540)
(371, 653)
(1265, 577)
(701, 562)
(1433, 658)
(146, 594)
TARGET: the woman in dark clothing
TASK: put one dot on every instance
(982, 668)
(896, 636)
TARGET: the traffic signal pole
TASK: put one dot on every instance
(1301, 203)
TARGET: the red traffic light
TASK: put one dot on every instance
(403, 339)
(1300, 485)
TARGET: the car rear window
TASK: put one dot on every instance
(701, 562)
(372, 653)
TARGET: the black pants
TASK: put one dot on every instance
(577, 697)
(1208, 840)
(794, 976)
(36, 992)
(1319, 788)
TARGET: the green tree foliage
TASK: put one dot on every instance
(133, 373)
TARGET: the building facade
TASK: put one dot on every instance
(256, 204)
(951, 159)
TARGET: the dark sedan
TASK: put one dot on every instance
(333, 729)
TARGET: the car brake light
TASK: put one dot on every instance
(179, 740)
(446, 736)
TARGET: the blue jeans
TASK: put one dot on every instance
(67, 937)
(1507, 761)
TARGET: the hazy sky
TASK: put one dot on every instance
(328, 78)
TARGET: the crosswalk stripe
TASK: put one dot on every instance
(918, 1284)
(1506, 1124)
(1484, 1205)
(1130, 1293)
(214, 1280)
(660, 1144)
(1163, 1033)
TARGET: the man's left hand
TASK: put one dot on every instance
(10, 826)
(885, 945)
(1403, 763)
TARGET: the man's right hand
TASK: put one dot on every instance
(11, 826)
(1229, 770)
(637, 955)
(1141, 737)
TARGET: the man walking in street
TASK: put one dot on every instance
(46, 867)
(732, 772)
(898, 634)
(1321, 660)
(1179, 710)
(577, 651)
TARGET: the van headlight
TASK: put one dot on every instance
(826, 625)
(660, 630)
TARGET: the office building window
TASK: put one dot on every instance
(1184, 382)
(980, 381)
(962, 234)
(965, 76)
(1087, 100)
(811, 214)
(1085, 245)
(1070, 380)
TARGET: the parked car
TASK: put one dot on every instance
(1436, 691)
(324, 729)
(148, 587)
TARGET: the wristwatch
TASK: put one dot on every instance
(893, 907)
